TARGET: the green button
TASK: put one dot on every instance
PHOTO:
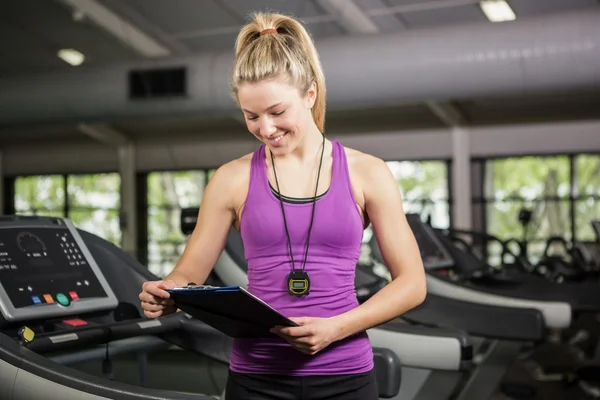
(62, 299)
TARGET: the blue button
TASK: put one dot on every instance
(36, 300)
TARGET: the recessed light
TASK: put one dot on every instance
(497, 10)
(71, 56)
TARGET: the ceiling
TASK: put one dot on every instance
(142, 29)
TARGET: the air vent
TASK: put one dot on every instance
(157, 83)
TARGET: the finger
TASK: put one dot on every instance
(148, 298)
(276, 329)
(168, 284)
(159, 291)
(152, 314)
(297, 331)
(156, 288)
(306, 341)
(164, 285)
(301, 320)
(153, 307)
(305, 349)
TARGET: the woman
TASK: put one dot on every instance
(301, 203)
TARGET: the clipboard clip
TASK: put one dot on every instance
(192, 285)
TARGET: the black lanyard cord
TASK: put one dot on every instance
(314, 201)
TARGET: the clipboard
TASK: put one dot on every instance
(229, 309)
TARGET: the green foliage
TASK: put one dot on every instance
(93, 201)
(168, 194)
(211, 172)
(40, 195)
(588, 175)
(543, 185)
(419, 180)
(528, 178)
(94, 190)
(424, 188)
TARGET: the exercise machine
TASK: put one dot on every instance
(454, 273)
(71, 325)
(62, 294)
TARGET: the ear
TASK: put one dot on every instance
(311, 95)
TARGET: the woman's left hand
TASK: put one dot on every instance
(311, 336)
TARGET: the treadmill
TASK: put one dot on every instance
(71, 325)
(463, 276)
(437, 358)
(454, 274)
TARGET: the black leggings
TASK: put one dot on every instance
(319, 387)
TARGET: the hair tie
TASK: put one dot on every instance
(268, 31)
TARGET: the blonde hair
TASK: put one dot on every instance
(285, 49)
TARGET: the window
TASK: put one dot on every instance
(93, 200)
(424, 188)
(168, 194)
(587, 195)
(561, 192)
(40, 195)
(94, 203)
(210, 174)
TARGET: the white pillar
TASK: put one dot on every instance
(461, 179)
(129, 224)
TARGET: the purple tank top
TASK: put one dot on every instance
(332, 256)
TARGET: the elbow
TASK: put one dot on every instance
(420, 292)
(421, 295)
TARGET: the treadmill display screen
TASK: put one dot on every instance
(45, 266)
(433, 253)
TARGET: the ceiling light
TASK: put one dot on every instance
(71, 56)
(497, 10)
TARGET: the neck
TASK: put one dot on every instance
(307, 148)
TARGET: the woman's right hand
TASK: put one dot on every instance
(155, 299)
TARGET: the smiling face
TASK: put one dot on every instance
(277, 113)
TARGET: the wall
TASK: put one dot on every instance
(171, 154)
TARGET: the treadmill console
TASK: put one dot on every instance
(434, 254)
(47, 271)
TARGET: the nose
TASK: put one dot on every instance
(267, 128)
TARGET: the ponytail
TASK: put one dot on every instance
(274, 45)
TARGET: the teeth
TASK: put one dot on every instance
(277, 139)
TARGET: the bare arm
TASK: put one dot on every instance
(399, 248)
(217, 213)
(205, 244)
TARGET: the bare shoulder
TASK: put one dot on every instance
(365, 166)
(230, 183)
(233, 172)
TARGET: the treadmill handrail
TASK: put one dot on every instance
(556, 314)
(418, 350)
(484, 320)
(42, 367)
(399, 326)
(104, 333)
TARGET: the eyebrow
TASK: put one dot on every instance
(268, 108)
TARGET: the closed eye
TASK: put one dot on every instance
(254, 118)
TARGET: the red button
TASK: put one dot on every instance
(75, 322)
(74, 296)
